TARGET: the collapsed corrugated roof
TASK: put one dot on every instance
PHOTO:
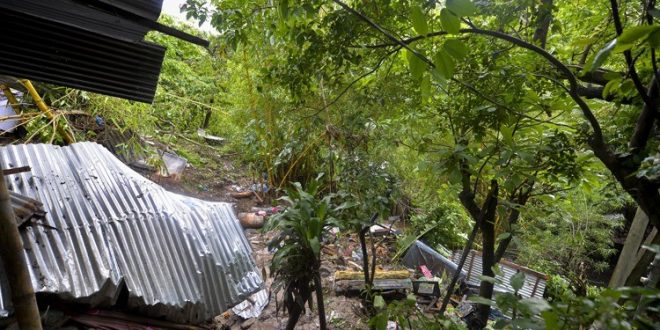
(106, 226)
(93, 45)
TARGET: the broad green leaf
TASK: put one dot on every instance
(461, 7)
(507, 135)
(419, 20)
(497, 271)
(517, 281)
(481, 300)
(438, 77)
(379, 322)
(601, 56)
(283, 8)
(450, 22)
(611, 86)
(654, 39)
(444, 64)
(379, 302)
(631, 35)
(315, 245)
(551, 319)
(425, 88)
(535, 305)
(455, 48)
(416, 65)
(503, 236)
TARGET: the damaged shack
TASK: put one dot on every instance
(111, 237)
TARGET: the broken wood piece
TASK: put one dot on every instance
(354, 265)
(251, 220)
(16, 170)
(241, 194)
(387, 274)
(258, 197)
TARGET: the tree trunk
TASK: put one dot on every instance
(11, 245)
(319, 300)
(543, 20)
(207, 119)
(488, 253)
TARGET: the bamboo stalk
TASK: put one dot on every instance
(11, 245)
(67, 135)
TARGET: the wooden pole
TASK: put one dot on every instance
(13, 256)
(626, 262)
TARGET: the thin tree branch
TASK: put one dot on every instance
(629, 60)
(384, 32)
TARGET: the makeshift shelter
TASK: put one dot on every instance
(107, 231)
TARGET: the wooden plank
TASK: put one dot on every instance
(342, 286)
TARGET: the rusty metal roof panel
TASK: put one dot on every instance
(178, 257)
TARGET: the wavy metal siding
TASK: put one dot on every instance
(180, 258)
(534, 285)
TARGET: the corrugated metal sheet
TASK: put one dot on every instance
(534, 281)
(78, 15)
(421, 254)
(149, 9)
(179, 258)
(46, 51)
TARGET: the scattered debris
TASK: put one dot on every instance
(173, 165)
(251, 220)
(112, 320)
(210, 139)
(252, 307)
(26, 208)
(9, 119)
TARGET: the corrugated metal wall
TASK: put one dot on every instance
(180, 258)
(534, 282)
